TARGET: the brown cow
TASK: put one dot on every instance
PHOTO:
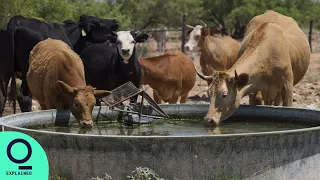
(265, 65)
(217, 53)
(170, 75)
(56, 79)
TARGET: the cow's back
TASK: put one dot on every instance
(218, 53)
(172, 72)
(42, 29)
(51, 60)
(230, 48)
(181, 63)
(297, 41)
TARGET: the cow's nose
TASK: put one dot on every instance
(86, 124)
(186, 48)
(209, 121)
(125, 51)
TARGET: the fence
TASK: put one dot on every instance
(162, 36)
(313, 38)
(164, 39)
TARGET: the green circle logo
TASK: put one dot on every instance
(22, 157)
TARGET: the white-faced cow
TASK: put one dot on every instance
(109, 65)
(56, 80)
(22, 34)
(217, 53)
(171, 76)
(273, 57)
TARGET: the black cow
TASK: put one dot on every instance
(109, 65)
(22, 34)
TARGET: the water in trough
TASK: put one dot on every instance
(179, 127)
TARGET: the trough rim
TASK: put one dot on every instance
(283, 132)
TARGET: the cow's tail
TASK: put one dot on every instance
(13, 87)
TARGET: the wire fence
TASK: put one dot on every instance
(163, 39)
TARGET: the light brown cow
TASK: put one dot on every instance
(170, 75)
(217, 53)
(297, 42)
(263, 66)
(56, 79)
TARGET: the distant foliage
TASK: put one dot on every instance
(227, 16)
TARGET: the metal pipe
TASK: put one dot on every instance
(183, 37)
(310, 34)
(143, 115)
(141, 106)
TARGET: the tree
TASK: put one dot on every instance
(145, 13)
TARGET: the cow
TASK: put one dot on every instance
(56, 80)
(272, 58)
(22, 34)
(170, 75)
(111, 64)
(217, 53)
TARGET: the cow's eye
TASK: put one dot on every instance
(133, 42)
(224, 95)
(196, 37)
(76, 105)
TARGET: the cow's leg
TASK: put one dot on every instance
(24, 98)
(255, 98)
(183, 99)
(2, 95)
(156, 97)
(268, 102)
(287, 94)
(5, 78)
(278, 99)
(43, 106)
(174, 99)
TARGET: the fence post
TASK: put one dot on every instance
(310, 34)
(183, 31)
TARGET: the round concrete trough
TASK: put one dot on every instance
(292, 154)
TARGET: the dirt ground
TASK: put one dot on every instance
(306, 92)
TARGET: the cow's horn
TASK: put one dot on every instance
(204, 77)
(189, 26)
(205, 25)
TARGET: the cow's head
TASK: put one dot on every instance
(82, 101)
(195, 35)
(225, 93)
(126, 41)
(98, 29)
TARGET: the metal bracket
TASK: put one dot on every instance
(129, 90)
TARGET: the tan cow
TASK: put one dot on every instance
(56, 79)
(170, 75)
(297, 42)
(217, 53)
(265, 65)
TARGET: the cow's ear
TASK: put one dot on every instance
(101, 93)
(85, 27)
(241, 80)
(83, 18)
(139, 37)
(65, 88)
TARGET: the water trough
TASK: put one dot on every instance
(290, 154)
